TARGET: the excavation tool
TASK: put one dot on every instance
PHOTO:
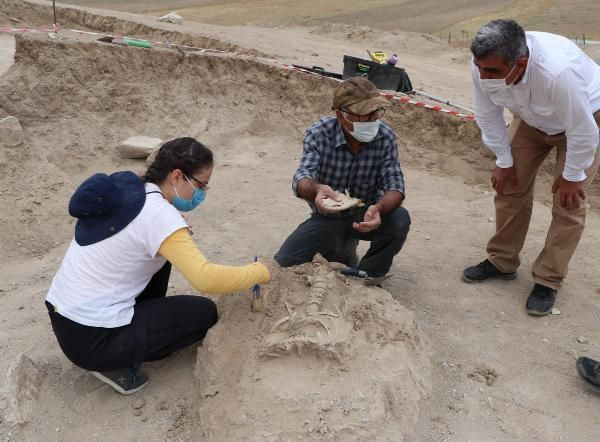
(367, 280)
(257, 301)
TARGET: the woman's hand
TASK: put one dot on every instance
(271, 266)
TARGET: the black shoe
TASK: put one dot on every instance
(485, 270)
(589, 370)
(125, 381)
(541, 300)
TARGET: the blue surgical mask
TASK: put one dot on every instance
(184, 205)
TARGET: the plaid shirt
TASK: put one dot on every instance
(327, 159)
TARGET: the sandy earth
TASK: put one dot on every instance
(408, 15)
(572, 17)
(329, 359)
(483, 369)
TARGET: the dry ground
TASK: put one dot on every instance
(77, 100)
(567, 17)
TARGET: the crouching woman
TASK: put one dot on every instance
(107, 303)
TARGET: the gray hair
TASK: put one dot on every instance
(504, 38)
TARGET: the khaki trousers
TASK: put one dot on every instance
(530, 147)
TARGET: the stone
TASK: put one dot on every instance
(11, 132)
(172, 17)
(326, 406)
(138, 403)
(555, 311)
(162, 405)
(153, 154)
(139, 146)
(21, 389)
(484, 374)
(583, 340)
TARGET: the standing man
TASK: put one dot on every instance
(553, 90)
(356, 151)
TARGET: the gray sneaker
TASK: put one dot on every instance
(126, 380)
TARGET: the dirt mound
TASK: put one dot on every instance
(39, 14)
(331, 358)
(77, 101)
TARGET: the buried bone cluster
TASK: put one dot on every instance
(311, 327)
(328, 356)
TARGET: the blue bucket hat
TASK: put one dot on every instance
(104, 205)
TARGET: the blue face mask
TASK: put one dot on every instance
(184, 205)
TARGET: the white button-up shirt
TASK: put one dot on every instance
(559, 92)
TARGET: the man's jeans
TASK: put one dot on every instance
(336, 240)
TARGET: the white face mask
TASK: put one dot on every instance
(364, 131)
(495, 85)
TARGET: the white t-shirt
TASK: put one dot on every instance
(97, 284)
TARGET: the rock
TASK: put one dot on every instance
(139, 146)
(137, 412)
(484, 374)
(162, 405)
(11, 132)
(138, 403)
(172, 17)
(583, 340)
(152, 155)
(555, 311)
(326, 406)
(19, 395)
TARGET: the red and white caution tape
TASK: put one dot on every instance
(404, 100)
(43, 31)
(429, 106)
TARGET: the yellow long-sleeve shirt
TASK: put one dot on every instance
(181, 251)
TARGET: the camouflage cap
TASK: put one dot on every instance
(359, 96)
